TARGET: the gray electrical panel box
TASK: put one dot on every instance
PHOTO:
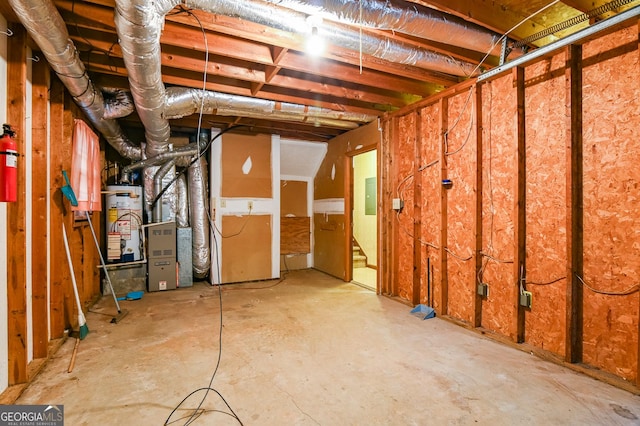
(161, 259)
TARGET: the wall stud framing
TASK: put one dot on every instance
(444, 281)
(417, 212)
(520, 204)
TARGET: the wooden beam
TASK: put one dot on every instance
(277, 53)
(519, 222)
(395, 222)
(348, 217)
(477, 301)
(16, 220)
(59, 269)
(417, 211)
(444, 278)
(573, 79)
(39, 197)
(385, 213)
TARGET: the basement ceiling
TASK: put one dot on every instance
(251, 58)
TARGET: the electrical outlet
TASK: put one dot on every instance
(526, 298)
(483, 290)
(250, 205)
(398, 204)
(223, 202)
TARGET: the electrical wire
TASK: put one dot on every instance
(197, 412)
(626, 292)
(235, 234)
(545, 283)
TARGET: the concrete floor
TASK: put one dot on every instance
(312, 350)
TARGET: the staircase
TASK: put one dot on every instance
(359, 258)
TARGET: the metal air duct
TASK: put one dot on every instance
(48, 30)
(335, 33)
(181, 102)
(412, 19)
(199, 211)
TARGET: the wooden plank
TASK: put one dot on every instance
(348, 217)
(477, 301)
(444, 280)
(39, 196)
(417, 211)
(59, 269)
(294, 235)
(573, 75)
(385, 216)
(519, 265)
(16, 220)
(393, 180)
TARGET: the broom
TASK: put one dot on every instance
(82, 322)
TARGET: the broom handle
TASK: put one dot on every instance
(73, 275)
(106, 271)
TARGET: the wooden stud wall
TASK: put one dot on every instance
(39, 278)
(546, 212)
(430, 209)
(611, 179)
(16, 220)
(536, 137)
(53, 308)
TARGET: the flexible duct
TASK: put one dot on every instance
(199, 212)
(48, 30)
(117, 103)
(157, 187)
(182, 215)
(337, 34)
(183, 101)
(414, 20)
(139, 24)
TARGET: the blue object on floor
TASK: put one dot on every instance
(132, 295)
(423, 311)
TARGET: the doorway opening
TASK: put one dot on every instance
(364, 221)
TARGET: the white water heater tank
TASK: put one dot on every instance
(125, 242)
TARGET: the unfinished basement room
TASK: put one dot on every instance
(319, 212)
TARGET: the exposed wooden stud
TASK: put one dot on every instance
(519, 221)
(256, 87)
(395, 228)
(417, 211)
(477, 318)
(638, 356)
(348, 217)
(444, 275)
(277, 53)
(39, 196)
(59, 269)
(16, 220)
(385, 215)
(270, 72)
(573, 78)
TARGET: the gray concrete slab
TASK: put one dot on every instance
(312, 350)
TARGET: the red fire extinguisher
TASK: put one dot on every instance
(8, 165)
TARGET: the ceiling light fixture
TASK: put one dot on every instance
(315, 44)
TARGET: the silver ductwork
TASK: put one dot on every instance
(199, 210)
(182, 215)
(415, 20)
(157, 188)
(337, 34)
(117, 103)
(48, 30)
(182, 101)
(139, 24)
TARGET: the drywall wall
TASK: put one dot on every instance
(244, 188)
(330, 244)
(364, 225)
(517, 148)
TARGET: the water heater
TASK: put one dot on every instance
(124, 223)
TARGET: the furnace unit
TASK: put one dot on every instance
(161, 256)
